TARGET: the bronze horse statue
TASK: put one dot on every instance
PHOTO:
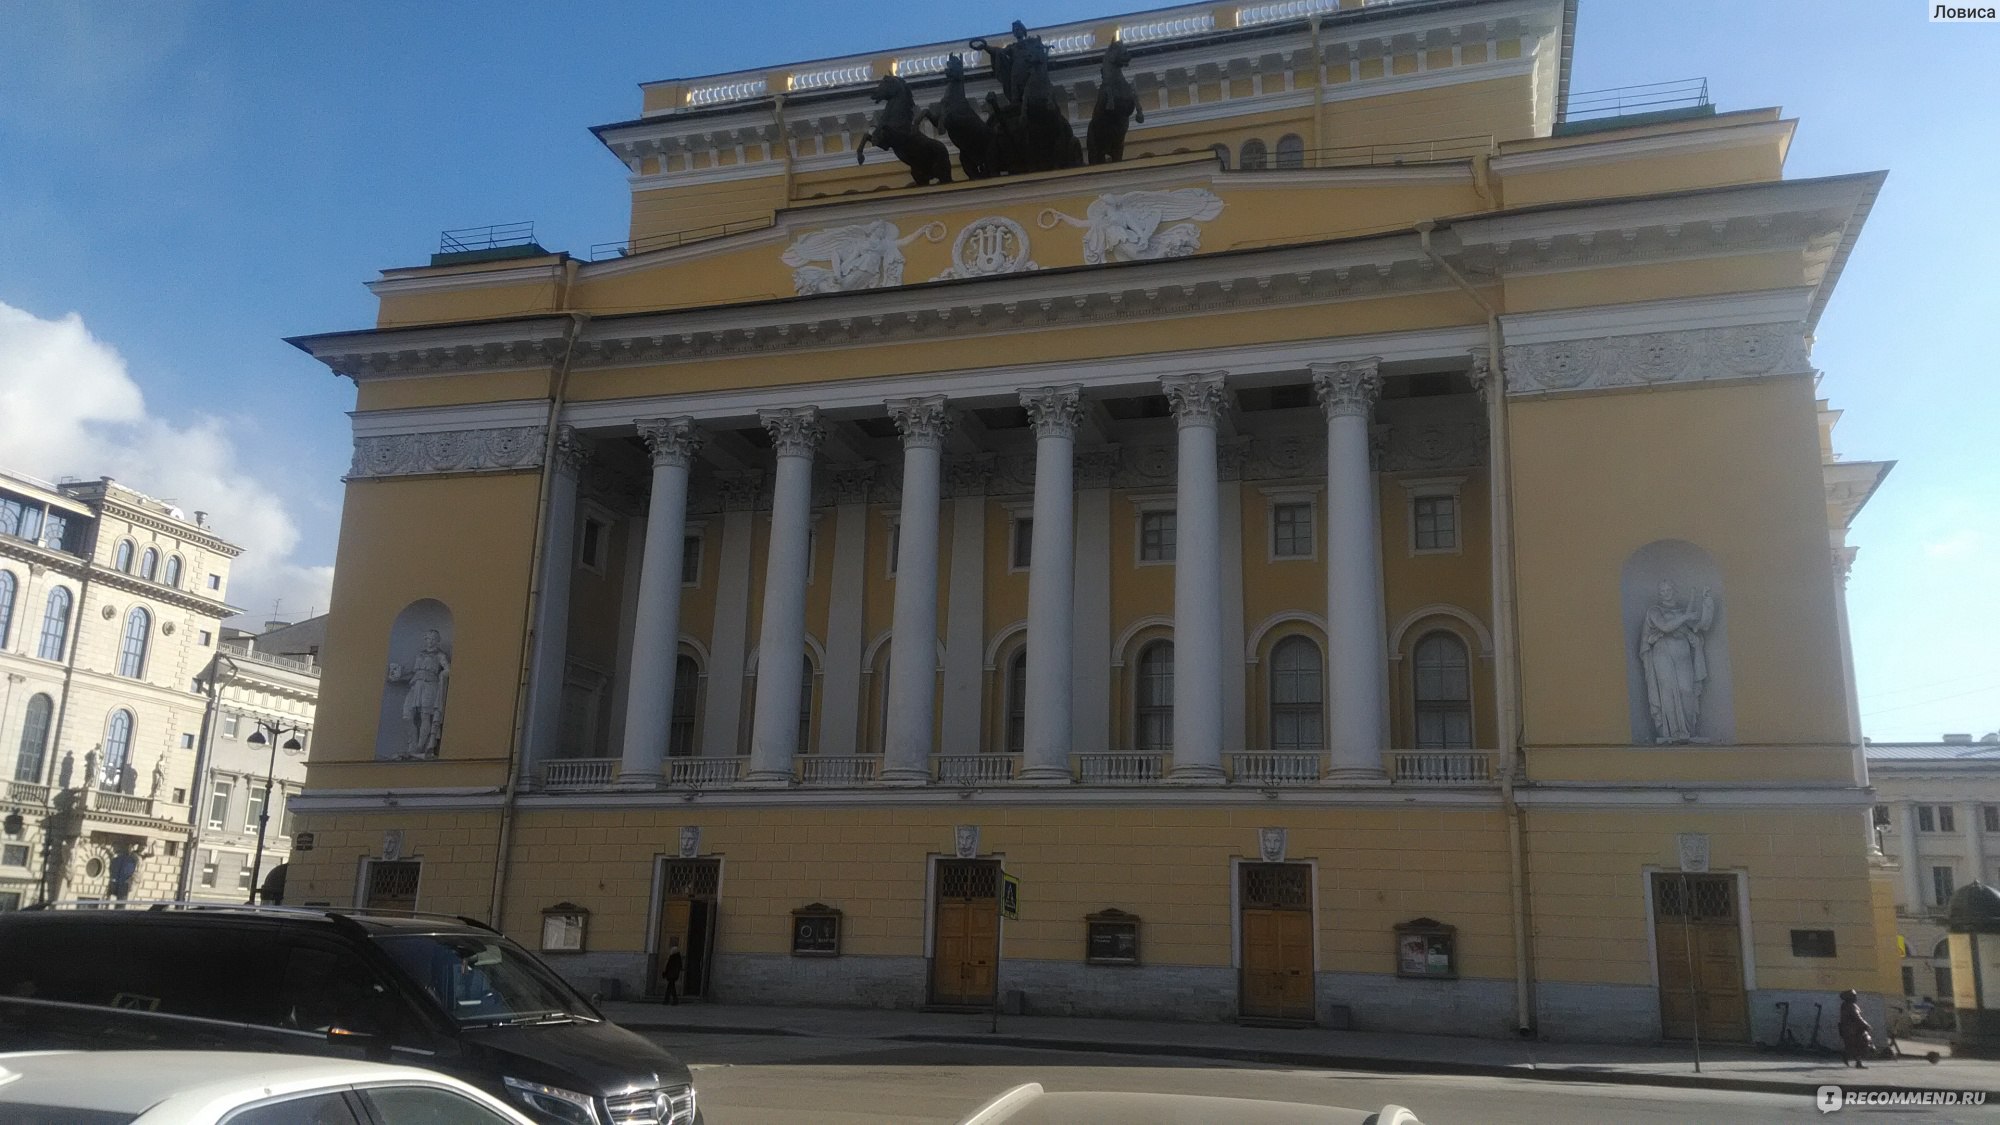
(1117, 105)
(896, 131)
(1030, 127)
(955, 117)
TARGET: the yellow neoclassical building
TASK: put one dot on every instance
(1371, 555)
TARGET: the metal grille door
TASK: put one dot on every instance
(392, 886)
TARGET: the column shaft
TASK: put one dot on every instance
(1975, 841)
(1198, 402)
(656, 630)
(906, 749)
(1356, 641)
(1051, 578)
(965, 618)
(551, 651)
(781, 640)
(1905, 813)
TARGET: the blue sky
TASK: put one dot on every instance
(181, 185)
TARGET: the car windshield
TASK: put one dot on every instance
(484, 979)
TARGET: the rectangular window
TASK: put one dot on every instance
(1991, 814)
(1941, 977)
(1945, 819)
(215, 581)
(1881, 816)
(1812, 943)
(1024, 542)
(10, 900)
(207, 868)
(55, 532)
(593, 541)
(1436, 520)
(187, 741)
(218, 804)
(1941, 887)
(691, 560)
(242, 875)
(1291, 531)
(230, 725)
(207, 638)
(1156, 536)
(255, 809)
(895, 546)
(281, 816)
(14, 855)
(1926, 820)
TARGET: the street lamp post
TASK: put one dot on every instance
(268, 733)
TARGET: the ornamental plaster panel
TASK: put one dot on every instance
(501, 449)
(1658, 358)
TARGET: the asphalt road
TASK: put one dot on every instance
(753, 1079)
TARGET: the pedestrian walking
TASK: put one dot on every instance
(670, 973)
(1854, 1040)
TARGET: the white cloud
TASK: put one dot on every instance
(69, 407)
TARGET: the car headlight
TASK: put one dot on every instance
(554, 1101)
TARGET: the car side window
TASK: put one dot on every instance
(321, 985)
(426, 1105)
(330, 1108)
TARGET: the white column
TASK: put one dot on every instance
(1235, 724)
(551, 653)
(965, 612)
(656, 629)
(729, 642)
(1198, 402)
(1090, 624)
(1913, 872)
(781, 642)
(1975, 840)
(1356, 640)
(1051, 578)
(906, 748)
(840, 679)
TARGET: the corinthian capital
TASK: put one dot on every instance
(1053, 410)
(572, 451)
(923, 422)
(1198, 399)
(1347, 389)
(795, 431)
(672, 440)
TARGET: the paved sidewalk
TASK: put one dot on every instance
(1727, 1069)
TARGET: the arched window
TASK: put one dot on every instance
(1153, 715)
(174, 571)
(123, 559)
(6, 606)
(33, 758)
(806, 704)
(132, 653)
(117, 746)
(149, 564)
(1221, 152)
(1291, 151)
(1254, 156)
(680, 732)
(55, 625)
(1298, 687)
(1017, 700)
(1443, 694)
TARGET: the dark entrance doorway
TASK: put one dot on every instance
(688, 907)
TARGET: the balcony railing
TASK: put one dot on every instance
(27, 793)
(1270, 768)
(1119, 769)
(838, 769)
(697, 773)
(103, 800)
(579, 773)
(1442, 767)
(977, 769)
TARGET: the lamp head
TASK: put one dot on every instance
(257, 738)
(294, 745)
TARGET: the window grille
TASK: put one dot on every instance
(1713, 898)
(393, 883)
(1276, 886)
(968, 880)
(693, 878)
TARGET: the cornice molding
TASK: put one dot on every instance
(542, 272)
(1589, 152)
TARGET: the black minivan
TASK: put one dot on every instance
(452, 996)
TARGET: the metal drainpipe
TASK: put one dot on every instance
(1505, 651)
(517, 751)
(197, 798)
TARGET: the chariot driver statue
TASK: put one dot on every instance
(428, 675)
(1011, 64)
(1673, 650)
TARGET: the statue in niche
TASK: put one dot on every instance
(896, 131)
(1673, 652)
(429, 675)
(955, 116)
(1117, 107)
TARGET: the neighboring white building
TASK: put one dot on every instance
(111, 608)
(263, 682)
(1938, 819)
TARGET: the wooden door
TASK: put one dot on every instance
(1697, 933)
(966, 934)
(1277, 954)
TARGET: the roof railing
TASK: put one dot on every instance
(1625, 101)
(669, 239)
(466, 240)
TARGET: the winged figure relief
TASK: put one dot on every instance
(862, 256)
(1129, 226)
